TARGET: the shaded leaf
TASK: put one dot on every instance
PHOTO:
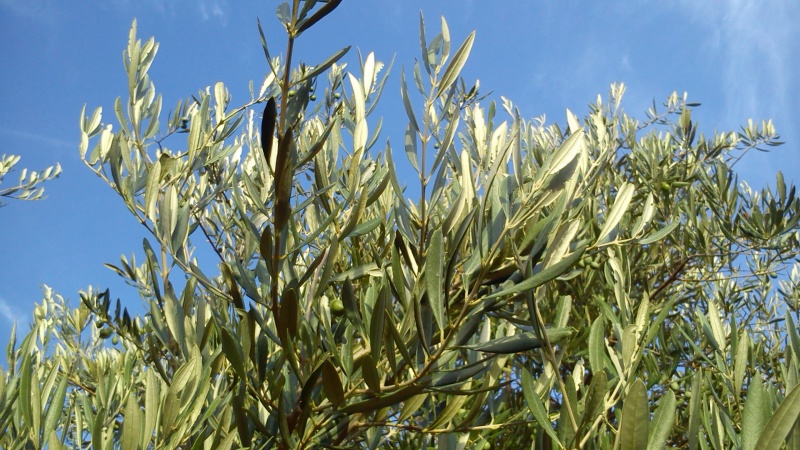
(521, 342)
(541, 277)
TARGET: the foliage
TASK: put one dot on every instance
(607, 284)
(28, 187)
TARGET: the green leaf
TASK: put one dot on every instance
(266, 50)
(695, 403)
(356, 213)
(324, 65)
(536, 406)
(370, 373)
(756, 412)
(233, 352)
(633, 431)
(597, 345)
(456, 376)
(350, 305)
(781, 422)
(410, 145)
(412, 406)
(377, 322)
(740, 362)
(423, 43)
(55, 408)
(25, 388)
(563, 163)
(434, 271)
(412, 120)
(663, 419)
(521, 342)
(456, 64)
(660, 234)
(332, 384)
(354, 273)
(450, 410)
(624, 196)
(595, 398)
(132, 425)
(383, 401)
(317, 16)
(151, 190)
(541, 277)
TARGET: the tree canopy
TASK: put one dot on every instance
(604, 283)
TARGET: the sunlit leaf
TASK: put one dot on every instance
(635, 425)
(781, 422)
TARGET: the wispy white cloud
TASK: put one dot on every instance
(31, 9)
(213, 9)
(40, 138)
(12, 314)
(756, 40)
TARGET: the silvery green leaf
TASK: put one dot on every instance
(621, 203)
(453, 69)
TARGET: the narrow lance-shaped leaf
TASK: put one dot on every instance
(597, 345)
(454, 67)
(756, 413)
(377, 323)
(233, 352)
(326, 9)
(266, 50)
(536, 406)
(624, 196)
(781, 422)
(434, 270)
(543, 276)
(595, 399)
(331, 383)
(521, 342)
(55, 409)
(635, 418)
(132, 426)
(324, 65)
(350, 305)
(663, 419)
(412, 119)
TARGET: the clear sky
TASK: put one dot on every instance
(739, 58)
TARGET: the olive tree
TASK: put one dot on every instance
(606, 283)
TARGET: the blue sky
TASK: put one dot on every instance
(739, 58)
